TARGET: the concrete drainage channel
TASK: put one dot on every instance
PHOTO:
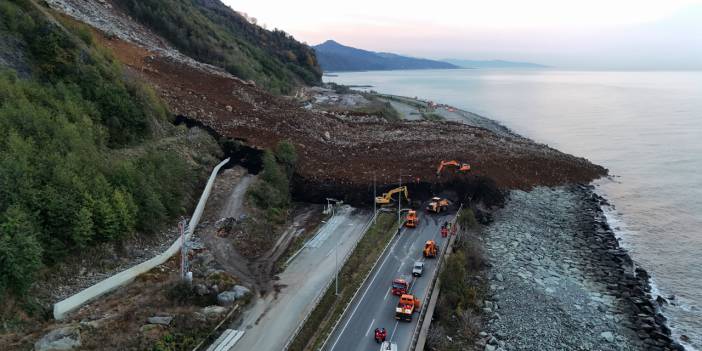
(62, 308)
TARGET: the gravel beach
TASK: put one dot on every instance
(559, 280)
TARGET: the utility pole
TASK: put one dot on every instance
(184, 274)
(374, 195)
(399, 204)
(336, 259)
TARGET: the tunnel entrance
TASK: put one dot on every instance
(236, 149)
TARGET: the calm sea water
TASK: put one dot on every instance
(646, 127)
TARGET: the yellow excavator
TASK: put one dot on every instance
(460, 167)
(387, 197)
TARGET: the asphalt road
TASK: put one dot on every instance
(269, 323)
(374, 306)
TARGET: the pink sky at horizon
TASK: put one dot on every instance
(571, 34)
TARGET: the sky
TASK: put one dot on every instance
(577, 34)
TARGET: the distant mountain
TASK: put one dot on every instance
(333, 56)
(492, 64)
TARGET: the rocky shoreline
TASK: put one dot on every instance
(561, 281)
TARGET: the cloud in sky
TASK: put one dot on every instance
(618, 34)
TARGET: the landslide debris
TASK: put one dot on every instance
(335, 151)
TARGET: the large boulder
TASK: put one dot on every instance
(240, 291)
(607, 336)
(161, 320)
(226, 298)
(60, 339)
(211, 312)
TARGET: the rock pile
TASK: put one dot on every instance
(561, 281)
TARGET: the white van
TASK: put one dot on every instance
(388, 346)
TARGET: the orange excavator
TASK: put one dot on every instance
(460, 167)
(412, 219)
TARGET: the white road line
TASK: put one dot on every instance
(364, 293)
(370, 326)
(393, 330)
(387, 293)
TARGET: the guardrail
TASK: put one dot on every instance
(435, 278)
(106, 285)
(329, 283)
(370, 272)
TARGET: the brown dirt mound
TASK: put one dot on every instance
(342, 152)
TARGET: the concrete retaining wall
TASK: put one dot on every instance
(61, 308)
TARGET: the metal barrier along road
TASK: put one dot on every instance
(435, 278)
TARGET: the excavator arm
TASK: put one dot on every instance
(462, 167)
(387, 197)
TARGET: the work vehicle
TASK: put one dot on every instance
(418, 269)
(400, 286)
(386, 198)
(388, 346)
(412, 219)
(438, 205)
(380, 335)
(430, 249)
(445, 229)
(407, 305)
(460, 167)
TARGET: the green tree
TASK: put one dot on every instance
(125, 211)
(272, 173)
(20, 252)
(83, 227)
(107, 225)
(285, 153)
(466, 219)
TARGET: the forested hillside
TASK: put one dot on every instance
(213, 33)
(68, 114)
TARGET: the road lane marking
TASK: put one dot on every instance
(387, 293)
(393, 330)
(380, 268)
(370, 326)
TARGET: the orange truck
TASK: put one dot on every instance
(438, 205)
(407, 305)
(412, 219)
(400, 286)
(430, 249)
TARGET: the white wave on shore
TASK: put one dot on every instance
(622, 232)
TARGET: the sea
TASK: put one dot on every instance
(645, 127)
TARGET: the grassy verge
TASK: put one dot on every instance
(408, 101)
(457, 319)
(432, 116)
(330, 307)
(380, 108)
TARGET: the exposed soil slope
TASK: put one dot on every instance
(336, 151)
